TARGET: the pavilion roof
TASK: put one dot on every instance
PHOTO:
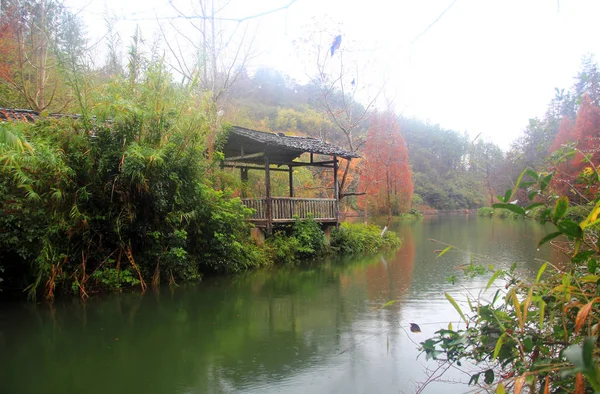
(282, 148)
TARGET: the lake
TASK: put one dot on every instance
(323, 327)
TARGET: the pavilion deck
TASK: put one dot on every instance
(288, 209)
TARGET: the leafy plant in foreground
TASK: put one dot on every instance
(539, 334)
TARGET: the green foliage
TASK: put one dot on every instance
(112, 279)
(358, 238)
(305, 240)
(485, 212)
(134, 190)
(450, 171)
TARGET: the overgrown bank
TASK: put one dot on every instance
(91, 206)
(305, 240)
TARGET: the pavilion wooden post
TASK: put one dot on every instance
(336, 192)
(291, 176)
(269, 200)
(244, 176)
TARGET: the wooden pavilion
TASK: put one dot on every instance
(248, 149)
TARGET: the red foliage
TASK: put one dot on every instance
(8, 44)
(571, 173)
(565, 134)
(386, 175)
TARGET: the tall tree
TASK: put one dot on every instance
(585, 137)
(386, 175)
(485, 164)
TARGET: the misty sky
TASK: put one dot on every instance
(483, 67)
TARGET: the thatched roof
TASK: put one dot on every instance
(282, 148)
(21, 115)
(27, 115)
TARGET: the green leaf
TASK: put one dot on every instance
(540, 272)
(519, 180)
(392, 302)
(570, 228)
(500, 389)
(588, 353)
(493, 278)
(474, 378)
(489, 376)
(592, 266)
(583, 256)
(548, 237)
(532, 173)
(499, 345)
(542, 313)
(546, 181)
(560, 208)
(510, 207)
(495, 297)
(443, 252)
(455, 305)
(507, 196)
(533, 194)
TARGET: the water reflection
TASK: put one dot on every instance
(317, 328)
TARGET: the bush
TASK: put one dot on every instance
(485, 212)
(305, 240)
(359, 238)
(488, 212)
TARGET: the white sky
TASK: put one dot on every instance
(484, 67)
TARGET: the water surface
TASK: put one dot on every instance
(318, 328)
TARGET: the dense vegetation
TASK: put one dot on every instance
(106, 204)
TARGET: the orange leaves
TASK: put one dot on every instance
(585, 133)
(583, 314)
(8, 45)
(385, 175)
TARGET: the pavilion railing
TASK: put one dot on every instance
(287, 208)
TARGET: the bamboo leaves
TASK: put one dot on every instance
(457, 307)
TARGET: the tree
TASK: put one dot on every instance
(37, 37)
(220, 57)
(571, 169)
(485, 163)
(386, 175)
(337, 79)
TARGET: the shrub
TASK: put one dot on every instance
(305, 240)
(359, 238)
(485, 212)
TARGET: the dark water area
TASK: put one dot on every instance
(318, 328)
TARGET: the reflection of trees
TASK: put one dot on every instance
(264, 326)
(390, 278)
